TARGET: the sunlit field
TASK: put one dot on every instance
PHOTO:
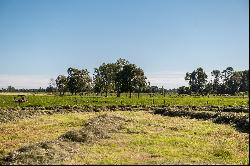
(144, 139)
(144, 99)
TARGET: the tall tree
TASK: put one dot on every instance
(130, 78)
(124, 79)
(201, 79)
(120, 63)
(216, 82)
(139, 81)
(233, 83)
(228, 81)
(104, 77)
(197, 80)
(244, 86)
(61, 83)
(78, 80)
(208, 88)
(225, 74)
(98, 86)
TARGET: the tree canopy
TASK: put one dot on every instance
(226, 82)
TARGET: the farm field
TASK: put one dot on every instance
(124, 82)
(51, 129)
(55, 100)
(142, 138)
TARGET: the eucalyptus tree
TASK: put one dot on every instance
(130, 78)
(201, 79)
(78, 80)
(225, 74)
(192, 81)
(228, 81)
(234, 82)
(139, 81)
(197, 80)
(208, 88)
(216, 82)
(61, 83)
(104, 78)
(244, 86)
(119, 64)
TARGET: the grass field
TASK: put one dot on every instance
(146, 139)
(53, 100)
(34, 136)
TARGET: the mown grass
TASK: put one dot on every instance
(8, 100)
(148, 139)
(27, 131)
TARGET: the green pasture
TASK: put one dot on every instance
(55, 100)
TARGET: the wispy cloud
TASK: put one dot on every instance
(167, 79)
(24, 81)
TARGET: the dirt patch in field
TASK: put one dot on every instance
(55, 152)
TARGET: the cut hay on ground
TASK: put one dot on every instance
(54, 152)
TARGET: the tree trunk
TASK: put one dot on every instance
(138, 94)
(106, 94)
(129, 94)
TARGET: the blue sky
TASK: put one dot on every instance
(40, 39)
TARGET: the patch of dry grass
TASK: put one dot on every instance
(147, 139)
(54, 152)
(14, 135)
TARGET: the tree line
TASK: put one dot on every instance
(125, 77)
(227, 81)
(121, 76)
